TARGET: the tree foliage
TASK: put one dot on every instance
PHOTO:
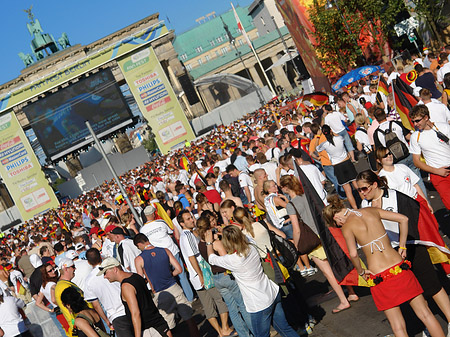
(342, 25)
(150, 143)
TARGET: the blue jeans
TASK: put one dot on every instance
(232, 296)
(183, 278)
(329, 172)
(408, 161)
(347, 141)
(288, 231)
(274, 315)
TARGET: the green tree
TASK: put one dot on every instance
(150, 143)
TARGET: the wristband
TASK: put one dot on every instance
(362, 273)
(209, 243)
(404, 248)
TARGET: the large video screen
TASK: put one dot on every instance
(58, 120)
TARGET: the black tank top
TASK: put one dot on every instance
(150, 316)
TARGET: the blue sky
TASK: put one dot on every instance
(86, 21)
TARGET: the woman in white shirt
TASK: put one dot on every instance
(400, 177)
(343, 167)
(261, 296)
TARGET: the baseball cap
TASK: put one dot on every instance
(118, 230)
(149, 210)
(65, 263)
(71, 254)
(107, 263)
(35, 260)
(109, 228)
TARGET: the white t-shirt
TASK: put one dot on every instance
(158, 233)
(130, 252)
(245, 180)
(258, 292)
(11, 321)
(402, 179)
(439, 113)
(107, 293)
(435, 151)
(334, 121)
(442, 71)
(47, 291)
(82, 270)
(107, 248)
(273, 153)
(316, 178)
(270, 168)
(363, 138)
(222, 165)
(395, 128)
(189, 247)
(336, 152)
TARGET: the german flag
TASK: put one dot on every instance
(184, 164)
(316, 98)
(382, 86)
(404, 101)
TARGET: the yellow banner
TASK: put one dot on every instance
(82, 66)
(156, 99)
(21, 171)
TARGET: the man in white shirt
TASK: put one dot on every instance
(445, 68)
(439, 113)
(191, 254)
(273, 153)
(159, 234)
(102, 293)
(432, 141)
(245, 182)
(82, 269)
(126, 250)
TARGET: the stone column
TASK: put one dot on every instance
(280, 76)
(255, 76)
(122, 143)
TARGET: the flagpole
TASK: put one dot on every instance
(250, 44)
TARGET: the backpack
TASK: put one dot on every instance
(398, 149)
(285, 248)
(99, 331)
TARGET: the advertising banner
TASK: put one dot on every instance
(156, 99)
(82, 66)
(21, 171)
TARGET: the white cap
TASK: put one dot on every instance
(35, 260)
(71, 254)
(65, 263)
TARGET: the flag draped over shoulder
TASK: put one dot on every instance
(339, 262)
(404, 101)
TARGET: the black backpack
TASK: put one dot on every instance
(398, 149)
(285, 248)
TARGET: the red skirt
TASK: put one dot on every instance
(395, 290)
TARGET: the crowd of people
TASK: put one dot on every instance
(209, 214)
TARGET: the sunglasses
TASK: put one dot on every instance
(415, 121)
(51, 269)
(387, 154)
(363, 189)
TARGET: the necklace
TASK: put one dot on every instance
(379, 197)
(352, 211)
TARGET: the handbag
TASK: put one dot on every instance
(99, 331)
(308, 239)
(208, 281)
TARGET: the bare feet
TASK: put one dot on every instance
(340, 308)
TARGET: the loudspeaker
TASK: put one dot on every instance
(188, 89)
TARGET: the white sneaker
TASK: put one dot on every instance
(304, 272)
(311, 271)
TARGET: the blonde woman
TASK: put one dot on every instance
(261, 296)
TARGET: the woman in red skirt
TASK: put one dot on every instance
(389, 275)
